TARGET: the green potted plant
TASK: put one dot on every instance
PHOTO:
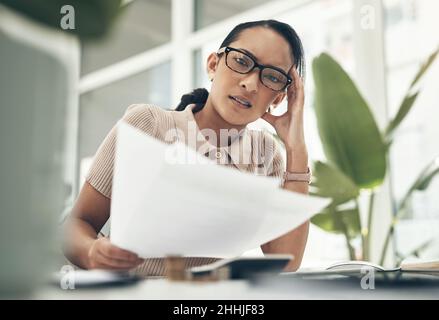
(357, 154)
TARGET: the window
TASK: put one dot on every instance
(117, 73)
(410, 38)
(211, 11)
(101, 108)
(143, 25)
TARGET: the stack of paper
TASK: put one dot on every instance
(168, 199)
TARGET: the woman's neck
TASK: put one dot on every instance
(209, 118)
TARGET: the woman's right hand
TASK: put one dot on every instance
(104, 255)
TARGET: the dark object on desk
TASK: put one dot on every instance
(243, 267)
(383, 277)
(349, 287)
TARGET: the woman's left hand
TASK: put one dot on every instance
(289, 126)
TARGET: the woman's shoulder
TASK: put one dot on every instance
(143, 110)
(148, 117)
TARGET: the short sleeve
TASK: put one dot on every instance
(100, 175)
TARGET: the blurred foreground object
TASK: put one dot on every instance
(93, 18)
(38, 91)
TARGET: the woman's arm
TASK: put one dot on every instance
(289, 128)
(81, 244)
(293, 242)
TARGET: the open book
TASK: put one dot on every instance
(407, 271)
(413, 265)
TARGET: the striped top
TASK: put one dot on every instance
(250, 151)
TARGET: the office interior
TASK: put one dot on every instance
(61, 93)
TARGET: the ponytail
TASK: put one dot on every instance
(197, 97)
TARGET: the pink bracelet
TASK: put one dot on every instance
(294, 176)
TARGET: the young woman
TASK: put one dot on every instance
(257, 66)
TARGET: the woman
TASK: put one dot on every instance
(256, 67)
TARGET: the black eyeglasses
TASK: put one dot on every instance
(271, 77)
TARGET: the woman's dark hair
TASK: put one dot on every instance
(199, 96)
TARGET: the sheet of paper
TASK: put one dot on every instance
(168, 199)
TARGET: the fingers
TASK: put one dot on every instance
(105, 262)
(117, 253)
(295, 92)
(298, 85)
(104, 255)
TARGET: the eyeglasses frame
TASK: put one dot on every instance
(261, 67)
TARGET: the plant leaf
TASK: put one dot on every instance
(427, 176)
(409, 99)
(330, 182)
(425, 67)
(404, 109)
(350, 136)
(335, 221)
(421, 183)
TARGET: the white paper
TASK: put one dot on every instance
(161, 206)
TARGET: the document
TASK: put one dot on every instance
(168, 199)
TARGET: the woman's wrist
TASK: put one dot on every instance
(297, 159)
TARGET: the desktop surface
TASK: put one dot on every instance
(263, 288)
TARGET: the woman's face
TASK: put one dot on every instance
(270, 49)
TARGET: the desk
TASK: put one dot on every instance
(273, 288)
